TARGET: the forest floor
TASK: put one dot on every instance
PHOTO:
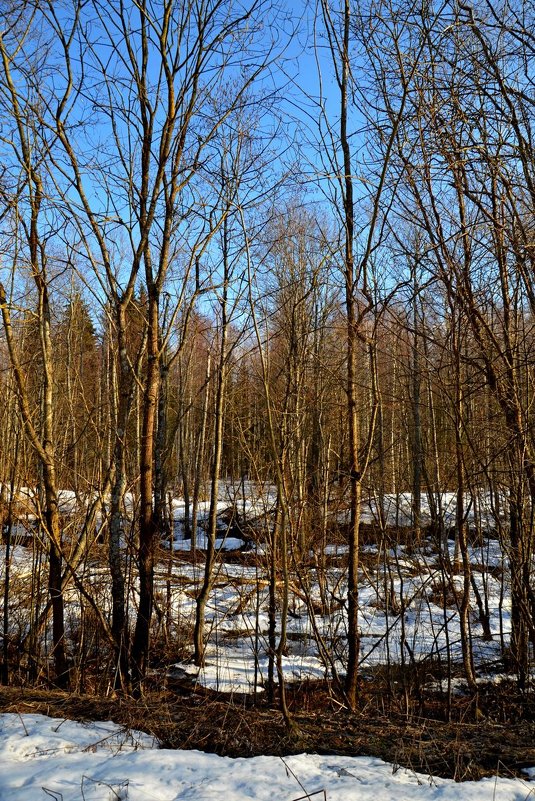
(495, 738)
(410, 714)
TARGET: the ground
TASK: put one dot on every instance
(496, 738)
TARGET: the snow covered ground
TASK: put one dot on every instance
(45, 758)
(414, 622)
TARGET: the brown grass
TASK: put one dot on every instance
(502, 740)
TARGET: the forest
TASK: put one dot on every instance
(267, 286)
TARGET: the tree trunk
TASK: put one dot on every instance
(202, 598)
(148, 527)
(355, 475)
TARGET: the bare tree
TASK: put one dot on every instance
(27, 209)
(362, 230)
(467, 114)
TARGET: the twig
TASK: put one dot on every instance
(306, 794)
(23, 724)
(57, 796)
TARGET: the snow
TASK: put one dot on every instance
(43, 758)
(237, 620)
(397, 509)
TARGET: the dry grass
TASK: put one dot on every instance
(503, 739)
